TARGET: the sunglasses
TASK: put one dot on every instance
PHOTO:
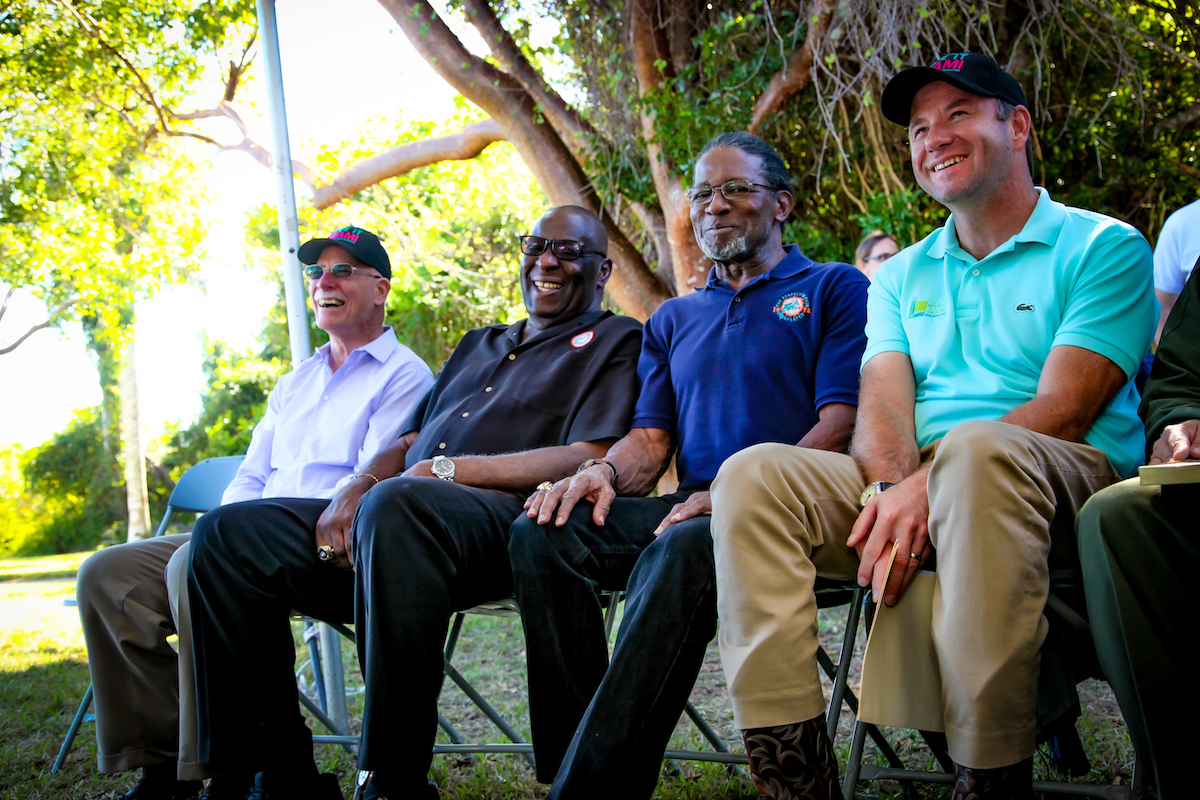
(566, 249)
(341, 271)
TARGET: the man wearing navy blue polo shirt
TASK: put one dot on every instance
(766, 351)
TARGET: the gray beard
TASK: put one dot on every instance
(736, 249)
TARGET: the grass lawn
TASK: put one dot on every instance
(43, 675)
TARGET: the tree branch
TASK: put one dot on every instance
(650, 46)
(1177, 120)
(468, 143)
(49, 321)
(1137, 32)
(562, 116)
(634, 287)
(797, 74)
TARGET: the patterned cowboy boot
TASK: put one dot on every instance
(793, 762)
(1014, 782)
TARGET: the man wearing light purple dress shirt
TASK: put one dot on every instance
(324, 420)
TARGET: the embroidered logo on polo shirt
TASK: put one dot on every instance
(792, 306)
(927, 308)
(582, 339)
(1024, 306)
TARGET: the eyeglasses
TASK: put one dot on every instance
(880, 257)
(566, 249)
(341, 271)
(732, 190)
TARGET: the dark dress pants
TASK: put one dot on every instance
(608, 724)
(425, 548)
(252, 564)
(1140, 552)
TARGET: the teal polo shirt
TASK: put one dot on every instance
(979, 332)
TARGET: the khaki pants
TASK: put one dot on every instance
(1002, 504)
(131, 598)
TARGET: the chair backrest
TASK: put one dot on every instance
(201, 487)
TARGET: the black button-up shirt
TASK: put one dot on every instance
(574, 382)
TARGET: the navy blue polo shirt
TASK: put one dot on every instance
(722, 370)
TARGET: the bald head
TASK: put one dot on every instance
(588, 227)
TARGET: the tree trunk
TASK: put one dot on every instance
(634, 286)
(133, 451)
(649, 33)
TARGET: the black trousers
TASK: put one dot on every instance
(252, 564)
(608, 724)
(424, 549)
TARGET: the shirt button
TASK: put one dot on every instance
(442, 446)
(974, 272)
(737, 299)
(466, 413)
(326, 397)
(512, 357)
(488, 389)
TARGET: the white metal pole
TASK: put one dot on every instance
(289, 232)
(297, 310)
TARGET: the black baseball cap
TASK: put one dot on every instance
(971, 72)
(361, 244)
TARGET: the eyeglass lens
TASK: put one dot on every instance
(314, 271)
(566, 249)
(732, 190)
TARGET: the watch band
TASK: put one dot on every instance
(439, 471)
(591, 462)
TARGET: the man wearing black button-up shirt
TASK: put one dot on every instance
(545, 394)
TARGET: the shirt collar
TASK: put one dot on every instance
(380, 348)
(517, 328)
(794, 262)
(1042, 227)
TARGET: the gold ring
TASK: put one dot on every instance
(545, 486)
(914, 557)
(325, 552)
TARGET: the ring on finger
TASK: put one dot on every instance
(914, 557)
(545, 486)
(325, 552)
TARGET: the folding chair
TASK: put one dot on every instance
(199, 490)
(1062, 738)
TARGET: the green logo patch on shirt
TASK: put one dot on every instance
(927, 308)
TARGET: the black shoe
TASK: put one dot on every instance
(229, 787)
(158, 782)
(375, 790)
(323, 787)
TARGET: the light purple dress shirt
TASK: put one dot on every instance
(322, 426)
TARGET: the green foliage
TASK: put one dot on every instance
(450, 230)
(234, 400)
(95, 206)
(73, 495)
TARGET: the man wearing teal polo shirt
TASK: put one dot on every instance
(997, 396)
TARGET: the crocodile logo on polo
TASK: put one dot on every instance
(1024, 306)
(792, 306)
(927, 308)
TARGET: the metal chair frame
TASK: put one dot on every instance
(198, 490)
(895, 771)
(829, 594)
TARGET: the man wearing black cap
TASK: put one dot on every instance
(424, 526)
(324, 421)
(997, 396)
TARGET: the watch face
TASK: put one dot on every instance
(442, 467)
(869, 492)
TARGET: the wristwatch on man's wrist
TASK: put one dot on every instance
(872, 490)
(443, 468)
(591, 462)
